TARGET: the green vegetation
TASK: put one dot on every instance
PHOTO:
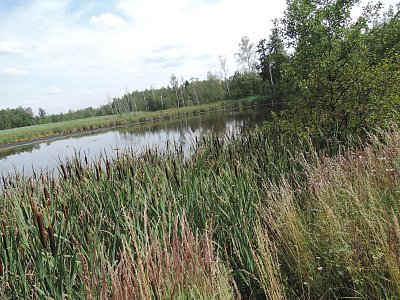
(344, 74)
(253, 215)
(341, 75)
(306, 207)
(182, 94)
(76, 126)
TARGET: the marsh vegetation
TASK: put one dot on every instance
(305, 207)
(248, 216)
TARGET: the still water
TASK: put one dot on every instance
(46, 156)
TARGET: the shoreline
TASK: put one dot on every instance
(100, 129)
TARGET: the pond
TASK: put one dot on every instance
(46, 156)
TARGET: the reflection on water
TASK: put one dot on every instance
(15, 150)
(47, 155)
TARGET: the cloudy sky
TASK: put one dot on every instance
(71, 54)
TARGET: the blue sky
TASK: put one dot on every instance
(71, 54)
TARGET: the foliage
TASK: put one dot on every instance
(11, 118)
(269, 217)
(41, 113)
(211, 89)
(272, 214)
(181, 93)
(344, 75)
(246, 56)
(271, 58)
(245, 85)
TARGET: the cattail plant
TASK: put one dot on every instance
(42, 231)
(248, 215)
(52, 239)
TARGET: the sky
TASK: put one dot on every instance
(72, 54)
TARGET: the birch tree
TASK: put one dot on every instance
(224, 71)
(246, 57)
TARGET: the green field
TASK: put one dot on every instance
(69, 127)
(258, 215)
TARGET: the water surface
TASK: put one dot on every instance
(45, 156)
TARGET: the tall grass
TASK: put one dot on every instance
(250, 216)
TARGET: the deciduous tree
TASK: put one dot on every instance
(344, 73)
(246, 57)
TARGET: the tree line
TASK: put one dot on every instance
(180, 92)
(250, 79)
(339, 74)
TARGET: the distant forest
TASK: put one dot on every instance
(339, 74)
(181, 92)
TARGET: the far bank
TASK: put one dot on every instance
(46, 132)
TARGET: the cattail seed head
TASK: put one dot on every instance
(50, 233)
(166, 173)
(46, 193)
(236, 171)
(33, 207)
(42, 232)
(64, 171)
(108, 171)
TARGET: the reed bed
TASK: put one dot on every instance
(251, 216)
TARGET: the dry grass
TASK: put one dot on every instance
(181, 266)
(267, 264)
(250, 217)
(339, 235)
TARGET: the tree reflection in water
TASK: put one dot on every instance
(181, 132)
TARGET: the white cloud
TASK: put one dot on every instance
(30, 102)
(58, 105)
(11, 47)
(93, 48)
(14, 72)
(107, 20)
(131, 71)
(55, 90)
